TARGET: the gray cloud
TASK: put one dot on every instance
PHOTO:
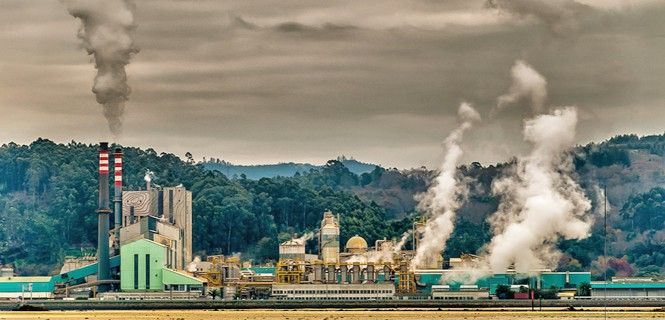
(561, 16)
(378, 80)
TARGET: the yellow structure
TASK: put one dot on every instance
(356, 245)
(406, 278)
(290, 271)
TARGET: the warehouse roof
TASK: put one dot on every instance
(628, 285)
(25, 279)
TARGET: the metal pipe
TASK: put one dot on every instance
(103, 211)
(117, 196)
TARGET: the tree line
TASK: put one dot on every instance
(48, 197)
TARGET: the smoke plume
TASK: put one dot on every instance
(527, 84)
(106, 34)
(304, 238)
(562, 17)
(441, 201)
(540, 200)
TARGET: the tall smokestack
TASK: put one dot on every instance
(117, 196)
(103, 210)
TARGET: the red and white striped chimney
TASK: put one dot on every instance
(117, 168)
(117, 196)
(103, 161)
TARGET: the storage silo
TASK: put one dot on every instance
(329, 238)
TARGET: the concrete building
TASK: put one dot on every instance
(374, 291)
(329, 238)
(293, 249)
(161, 215)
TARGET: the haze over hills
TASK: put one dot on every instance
(256, 172)
(48, 197)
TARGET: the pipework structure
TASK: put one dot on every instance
(103, 211)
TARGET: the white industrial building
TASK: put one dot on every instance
(368, 291)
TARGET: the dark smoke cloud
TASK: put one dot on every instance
(106, 33)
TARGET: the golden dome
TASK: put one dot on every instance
(356, 244)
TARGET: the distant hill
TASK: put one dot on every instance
(256, 172)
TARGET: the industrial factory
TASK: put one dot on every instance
(147, 255)
(144, 253)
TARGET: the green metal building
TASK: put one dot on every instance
(545, 280)
(144, 268)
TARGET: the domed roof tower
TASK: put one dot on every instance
(356, 245)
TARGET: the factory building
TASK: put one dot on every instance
(629, 288)
(374, 291)
(145, 252)
(163, 215)
(562, 280)
(461, 292)
(148, 255)
(447, 283)
(293, 249)
(144, 267)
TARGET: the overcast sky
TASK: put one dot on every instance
(306, 81)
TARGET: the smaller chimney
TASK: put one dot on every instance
(117, 196)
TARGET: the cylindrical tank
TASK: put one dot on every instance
(332, 275)
(355, 273)
(370, 273)
(387, 273)
(343, 272)
(318, 273)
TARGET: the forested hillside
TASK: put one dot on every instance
(48, 199)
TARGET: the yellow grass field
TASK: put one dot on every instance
(328, 315)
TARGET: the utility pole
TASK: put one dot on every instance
(605, 248)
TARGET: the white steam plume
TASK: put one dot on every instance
(148, 176)
(191, 267)
(527, 84)
(304, 238)
(441, 201)
(106, 32)
(540, 200)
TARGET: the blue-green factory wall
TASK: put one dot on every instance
(47, 284)
(548, 279)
